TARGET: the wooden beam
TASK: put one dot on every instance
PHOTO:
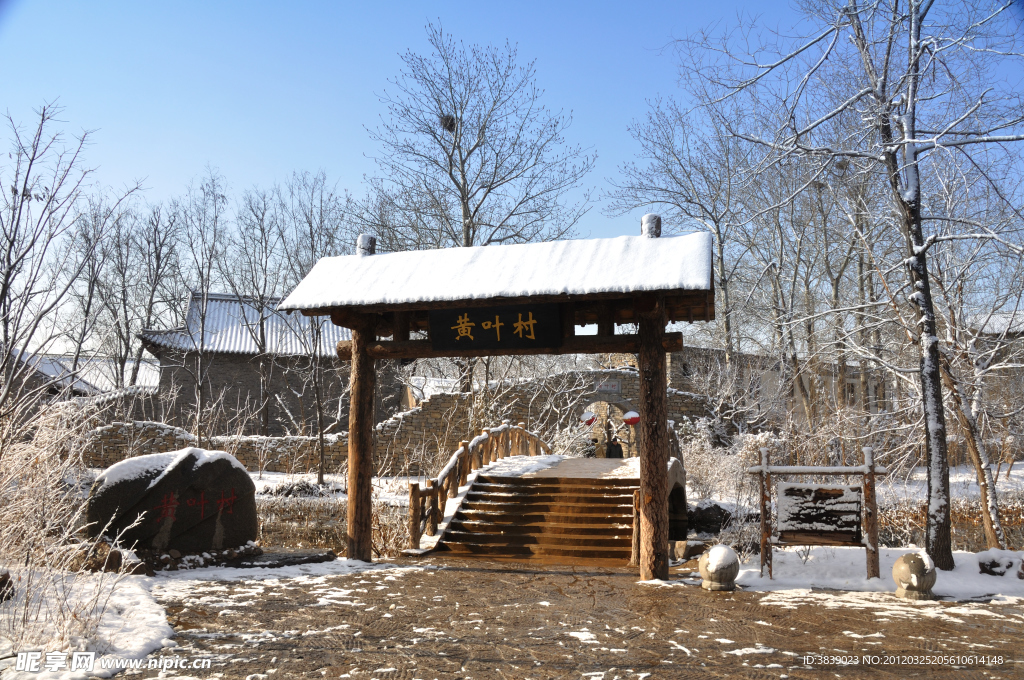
(400, 326)
(605, 319)
(360, 442)
(653, 439)
(579, 344)
(673, 297)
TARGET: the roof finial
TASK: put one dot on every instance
(366, 244)
(650, 225)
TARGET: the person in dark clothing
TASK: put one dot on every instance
(614, 448)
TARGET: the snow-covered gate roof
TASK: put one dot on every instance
(553, 271)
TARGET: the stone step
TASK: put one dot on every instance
(559, 481)
(543, 518)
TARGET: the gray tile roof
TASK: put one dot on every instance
(233, 327)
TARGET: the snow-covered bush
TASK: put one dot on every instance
(42, 489)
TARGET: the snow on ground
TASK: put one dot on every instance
(132, 623)
(629, 469)
(963, 482)
(178, 584)
(843, 568)
(517, 466)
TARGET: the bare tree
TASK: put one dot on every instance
(203, 222)
(312, 227)
(916, 85)
(156, 239)
(253, 267)
(42, 199)
(696, 173)
(470, 155)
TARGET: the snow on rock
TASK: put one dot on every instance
(998, 562)
(157, 465)
(721, 556)
(627, 264)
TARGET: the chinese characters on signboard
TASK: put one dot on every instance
(515, 327)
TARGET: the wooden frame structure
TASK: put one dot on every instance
(867, 539)
(632, 300)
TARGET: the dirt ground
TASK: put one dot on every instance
(456, 618)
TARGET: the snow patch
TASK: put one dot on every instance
(721, 556)
(159, 464)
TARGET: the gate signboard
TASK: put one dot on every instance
(509, 327)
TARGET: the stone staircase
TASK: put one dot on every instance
(554, 519)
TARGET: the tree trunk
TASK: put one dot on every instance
(360, 447)
(994, 537)
(723, 289)
(653, 436)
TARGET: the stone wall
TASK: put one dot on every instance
(420, 440)
(424, 438)
(107, 445)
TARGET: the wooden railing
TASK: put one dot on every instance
(426, 507)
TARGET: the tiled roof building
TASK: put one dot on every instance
(257, 368)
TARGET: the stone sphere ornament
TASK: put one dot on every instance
(719, 568)
(914, 574)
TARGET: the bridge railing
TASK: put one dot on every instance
(426, 507)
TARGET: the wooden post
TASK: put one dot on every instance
(762, 479)
(476, 459)
(414, 515)
(463, 466)
(653, 435)
(434, 508)
(363, 380)
(871, 513)
(524, 440)
(634, 556)
(485, 446)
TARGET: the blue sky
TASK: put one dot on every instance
(258, 89)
